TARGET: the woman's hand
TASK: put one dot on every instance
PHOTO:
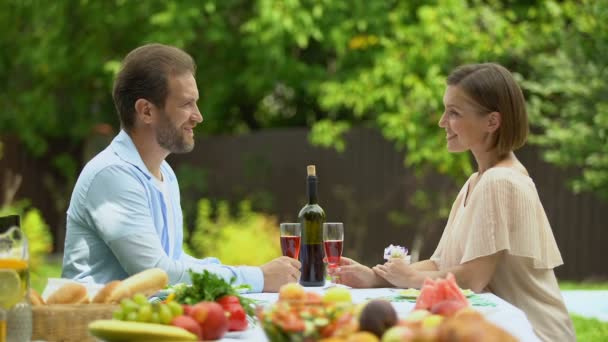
(353, 274)
(398, 273)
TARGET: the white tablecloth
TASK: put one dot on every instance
(503, 314)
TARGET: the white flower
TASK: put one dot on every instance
(395, 252)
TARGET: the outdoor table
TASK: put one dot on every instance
(493, 308)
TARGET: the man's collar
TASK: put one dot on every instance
(124, 147)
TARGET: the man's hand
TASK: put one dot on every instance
(279, 272)
(354, 274)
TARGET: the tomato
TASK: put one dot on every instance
(227, 300)
(237, 318)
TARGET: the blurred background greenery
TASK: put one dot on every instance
(328, 65)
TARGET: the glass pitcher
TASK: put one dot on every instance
(14, 276)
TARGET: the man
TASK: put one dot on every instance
(125, 214)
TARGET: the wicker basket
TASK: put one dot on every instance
(67, 322)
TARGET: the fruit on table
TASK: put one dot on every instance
(435, 291)
(211, 318)
(398, 334)
(448, 307)
(137, 309)
(188, 323)
(468, 325)
(114, 330)
(292, 291)
(313, 298)
(377, 317)
(11, 291)
(237, 319)
(362, 336)
(432, 321)
(417, 315)
(337, 295)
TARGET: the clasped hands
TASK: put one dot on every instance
(395, 272)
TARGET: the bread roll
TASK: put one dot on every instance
(70, 293)
(103, 296)
(147, 282)
(35, 298)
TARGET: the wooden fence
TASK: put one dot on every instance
(363, 187)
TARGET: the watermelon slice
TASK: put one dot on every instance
(457, 293)
(439, 290)
(426, 299)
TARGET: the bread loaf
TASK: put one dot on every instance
(70, 293)
(103, 296)
(147, 282)
(35, 298)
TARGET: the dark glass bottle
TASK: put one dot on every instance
(311, 218)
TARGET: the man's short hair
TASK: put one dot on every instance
(144, 74)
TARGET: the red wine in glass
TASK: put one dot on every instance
(333, 252)
(290, 245)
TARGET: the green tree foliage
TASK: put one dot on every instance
(230, 237)
(568, 91)
(326, 64)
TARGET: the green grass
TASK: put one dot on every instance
(571, 285)
(589, 329)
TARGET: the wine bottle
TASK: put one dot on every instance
(311, 219)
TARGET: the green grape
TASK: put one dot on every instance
(131, 316)
(165, 314)
(145, 313)
(128, 306)
(154, 318)
(118, 314)
(176, 309)
(140, 299)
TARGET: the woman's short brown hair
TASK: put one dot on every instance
(144, 75)
(494, 89)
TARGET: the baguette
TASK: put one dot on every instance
(147, 282)
(103, 296)
(70, 293)
(35, 298)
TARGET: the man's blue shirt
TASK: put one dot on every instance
(117, 224)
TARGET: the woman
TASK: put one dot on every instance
(497, 237)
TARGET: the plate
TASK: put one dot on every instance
(409, 293)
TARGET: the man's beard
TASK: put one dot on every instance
(172, 138)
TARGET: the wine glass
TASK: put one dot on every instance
(291, 234)
(333, 237)
(13, 270)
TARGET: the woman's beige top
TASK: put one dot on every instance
(504, 213)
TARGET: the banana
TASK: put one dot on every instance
(116, 331)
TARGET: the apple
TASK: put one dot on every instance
(448, 307)
(188, 323)
(187, 308)
(398, 334)
(212, 319)
(337, 295)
